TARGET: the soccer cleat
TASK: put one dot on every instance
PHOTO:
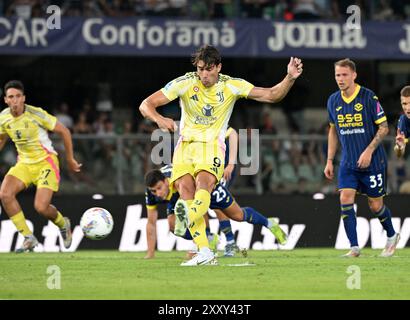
(391, 245)
(230, 249)
(29, 243)
(201, 259)
(277, 231)
(213, 243)
(181, 218)
(66, 233)
(353, 253)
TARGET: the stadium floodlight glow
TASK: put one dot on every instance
(318, 196)
(98, 196)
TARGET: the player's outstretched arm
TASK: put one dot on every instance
(65, 134)
(279, 91)
(148, 110)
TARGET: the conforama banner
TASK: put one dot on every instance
(175, 37)
(308, 223)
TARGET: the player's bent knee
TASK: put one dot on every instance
(6, 196)
(41, 207)
(375, 205)
(346, 198)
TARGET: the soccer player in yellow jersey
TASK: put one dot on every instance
(37, 162)
(206, 99)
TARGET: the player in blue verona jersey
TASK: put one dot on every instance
(357, 119)
(403, 126)
(160, 190)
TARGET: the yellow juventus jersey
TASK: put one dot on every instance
(29, 133)
(205, 112)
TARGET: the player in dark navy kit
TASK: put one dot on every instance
(358, 121)
(160, 190)
(403, 126)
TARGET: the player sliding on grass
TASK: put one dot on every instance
(207, 99)
(159, 190)
(37, 162)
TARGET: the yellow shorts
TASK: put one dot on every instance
(43, 174)
(190, 157)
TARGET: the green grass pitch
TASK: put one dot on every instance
(297, 274)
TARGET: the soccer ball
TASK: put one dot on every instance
(96, 223)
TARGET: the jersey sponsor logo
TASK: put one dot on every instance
(350, 120)
(194, 97)
(352, 131)
(207, 110)
(358, 107)
(205, 121)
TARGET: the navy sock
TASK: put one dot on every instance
(187, 235)
(226, 228)
(384, 216)
(349, 221)
(254, 217)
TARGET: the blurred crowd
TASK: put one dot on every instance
(207, 9)
(116, 153)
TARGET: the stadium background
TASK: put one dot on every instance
(96, 91)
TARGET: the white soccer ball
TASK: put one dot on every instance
(96, 223)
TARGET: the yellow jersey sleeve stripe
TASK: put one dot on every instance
(331, 124)
(151, 207)
(378, 121)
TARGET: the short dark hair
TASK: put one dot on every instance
(153, 177)
(208, 54)
(15, 84)
(346, 63)
(405, 92)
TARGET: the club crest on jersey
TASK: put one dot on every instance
(221, 96)
(358, 107)
(207, 110)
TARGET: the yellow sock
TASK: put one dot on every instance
(198, 233)
(20, 222)
(200, 205)
(59, 221)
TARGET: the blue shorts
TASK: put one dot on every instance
(370, 183)
(221, 198)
